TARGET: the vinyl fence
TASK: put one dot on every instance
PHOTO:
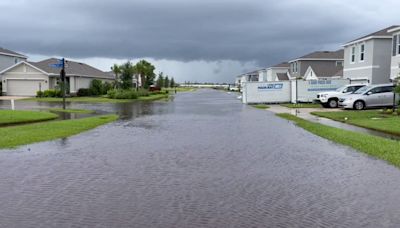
(288, 91)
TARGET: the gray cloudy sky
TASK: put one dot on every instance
(196, 40)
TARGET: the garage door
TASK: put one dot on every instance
(23, 87)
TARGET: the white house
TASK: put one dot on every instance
(26, 78)
(277, 72)
(367, 59)
(395, 59)
(9, 58)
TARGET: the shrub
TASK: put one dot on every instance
(83, 92)
(52, 93)
(96, 87)
(39, 94)
(122, 94)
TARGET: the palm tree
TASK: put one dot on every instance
(116, 69)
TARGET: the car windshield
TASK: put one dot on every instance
(362, 89)
(340, 89)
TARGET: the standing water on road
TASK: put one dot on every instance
(201, 160)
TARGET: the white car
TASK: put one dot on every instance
(331, 99)
(369, 97)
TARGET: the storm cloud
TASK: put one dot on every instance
(187, 31)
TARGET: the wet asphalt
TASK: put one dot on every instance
(200, 160)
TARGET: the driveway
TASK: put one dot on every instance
(8, 98)
(201, 160)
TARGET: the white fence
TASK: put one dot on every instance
(288, 91)
(264, 92)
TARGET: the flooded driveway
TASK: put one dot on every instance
(202, 160)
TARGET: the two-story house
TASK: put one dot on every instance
(317, 65)
(278, 72)
(367, 59)
(9, 58)
(395, 54)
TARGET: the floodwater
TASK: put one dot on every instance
(201, 160)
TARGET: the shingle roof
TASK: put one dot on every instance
(72, 68)
(383, 32)
(327, 71)
(12, 53)
(282, 76)
(339, 54)
(283, 64)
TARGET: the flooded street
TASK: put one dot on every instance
(200, 160)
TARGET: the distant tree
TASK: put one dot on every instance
(127, 71)
(166, 82)
(145, 70)
(172, 83)
(160, 80)
(116, 69)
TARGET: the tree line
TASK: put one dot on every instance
(143, 70)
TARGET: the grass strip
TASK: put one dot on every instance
(12, 137)
(260, 106)
(302, 105)
(79, 111)
(370, 119)
(11, 117)
(384, 149)
(151, 97)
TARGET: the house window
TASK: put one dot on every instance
(15, 60)
(353, 55)
(339, 63)
(362, 52)
(394, 46)
(295, 67)
(398, 44)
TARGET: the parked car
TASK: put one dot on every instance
(330, 99)
(368, 97)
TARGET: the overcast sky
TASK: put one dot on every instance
(192, 40)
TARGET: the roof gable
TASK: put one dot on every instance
(72, 68)
(16, 68)
(322, 55)
(7, 52)
(384, 33)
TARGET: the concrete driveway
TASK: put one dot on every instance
(8, 98)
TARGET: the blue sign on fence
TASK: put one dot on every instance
(269, 87)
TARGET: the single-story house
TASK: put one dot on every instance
(9, 58)
(26, 78)
(367, 59)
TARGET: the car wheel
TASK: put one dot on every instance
(359, 105)
(333, 103)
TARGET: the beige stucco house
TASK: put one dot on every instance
(26, 78)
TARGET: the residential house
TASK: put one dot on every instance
(26, 78)
(395, 58)
(367, 59)
(278, 72)
(9, 58)
(317, 65)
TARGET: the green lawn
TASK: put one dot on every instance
(260, 106)
(371, 119)
(12, 137)
(80, 111)
(153, 97)
(385, 149)
(180, 89)
(302, 105)
(10, 117)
